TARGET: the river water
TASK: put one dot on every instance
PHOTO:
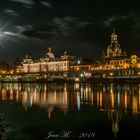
(40, 111)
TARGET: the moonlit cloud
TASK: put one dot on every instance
(10, 33)
(130, 20)
(47, 4)
(28, 2)
(66, 24)
(10, 12)
(55, 28)
(21, 28)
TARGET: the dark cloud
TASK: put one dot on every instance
(85, 35)
(81, 26)
(130, 20)
(10, 12)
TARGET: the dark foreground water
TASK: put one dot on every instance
(35, 111)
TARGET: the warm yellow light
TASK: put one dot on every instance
(65, 75)
(11, 72)
(111, 74)
(134, 104)
(112, 67)
(100, 67)
(89, 74)
(3, 72)
(125, 66)
(17, 71)
(77, 68)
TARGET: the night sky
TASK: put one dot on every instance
(82, 27)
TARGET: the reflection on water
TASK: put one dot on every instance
(113, 99)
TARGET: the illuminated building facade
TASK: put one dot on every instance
(115, 63)
(47, 63)
(114, 49)
(116, 58)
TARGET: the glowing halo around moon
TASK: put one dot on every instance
(6, 36)
(2, 39)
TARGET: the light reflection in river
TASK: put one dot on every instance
(114, 99)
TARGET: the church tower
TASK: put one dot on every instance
(114, 49)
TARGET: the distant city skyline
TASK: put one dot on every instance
(83, 28)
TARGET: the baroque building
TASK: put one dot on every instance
(115, 57)
(114, 49)
(47, 63)
(115, 63)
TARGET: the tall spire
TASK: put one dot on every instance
(114, 30)
(65, 52)
(114, 38)
(50, 50)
